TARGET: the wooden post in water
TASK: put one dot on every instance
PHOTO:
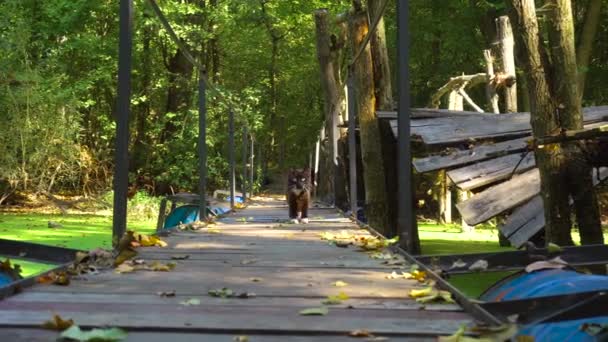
(121, 157)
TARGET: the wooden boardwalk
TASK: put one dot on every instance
(288, 267)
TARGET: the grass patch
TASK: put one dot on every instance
(449, 239)
(29, 268)
(79, 231)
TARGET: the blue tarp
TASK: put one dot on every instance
(550, 283)
(187, 214)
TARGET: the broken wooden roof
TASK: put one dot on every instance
(486, 154)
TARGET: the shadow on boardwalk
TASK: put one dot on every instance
(288, 267)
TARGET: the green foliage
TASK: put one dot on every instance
(58, 85)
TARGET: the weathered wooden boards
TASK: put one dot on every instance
(500, 198)
(464, 157)
(454, 129)
(491, 171)
(488, 163)
(288, 267)
(528, 219)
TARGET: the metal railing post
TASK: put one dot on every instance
(231, 156)
(202, 146)
(121, 170)
(244, 154)
(406, 220)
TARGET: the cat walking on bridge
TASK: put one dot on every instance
(298, 194)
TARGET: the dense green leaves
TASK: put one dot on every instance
(58, 83)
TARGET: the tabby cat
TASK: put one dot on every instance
(298, 194)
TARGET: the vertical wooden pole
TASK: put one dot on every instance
(352, 143)
(121, 170)
(491, 94)
(507, 57)
(231, 156)
(406, 219)
(244, 155)
(202, 146)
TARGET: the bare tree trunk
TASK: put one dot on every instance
(384, 101)
(371, 147)
(491, 94)
(570, 116)
(592, 20)
(332, 102)
(506, 56)
(557, 106)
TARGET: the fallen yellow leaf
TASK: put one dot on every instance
(57, 323)
(339, 283)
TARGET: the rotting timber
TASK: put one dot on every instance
(497, 162)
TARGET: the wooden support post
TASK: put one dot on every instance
(491, 94)
(162, 213)
(447, 214)
(202, 146)
(463, 196)
(121, 158)
(506, 55)
(406, 219)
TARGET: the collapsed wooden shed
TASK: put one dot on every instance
(486, 154)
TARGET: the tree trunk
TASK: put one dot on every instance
(332, 99)
(384, 101)
(371, 147)
(587, 38)
(506, 56)
(556, 106)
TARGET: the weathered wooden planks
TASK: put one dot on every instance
(500, 198)
(491, 171)
(463, 157)
(529, 219)
(292, 267)
(449, 130)
(40, 335)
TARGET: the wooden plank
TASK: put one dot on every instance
(500, 198)
(491, 171)
(304, 302)
(465, 128)
(252, 320)
(462, 157)
(522, 216)
(278, 282)
(529, 219)
(423, 113)
(40, 335)
(293, 268)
